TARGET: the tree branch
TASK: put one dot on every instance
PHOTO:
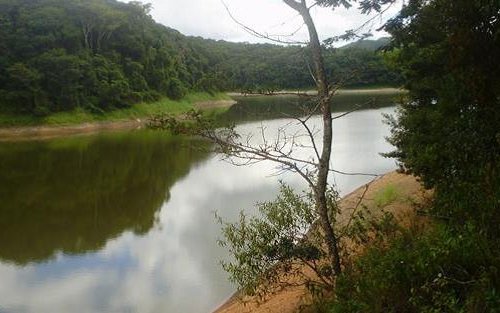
(257, 34)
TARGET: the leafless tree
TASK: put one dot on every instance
(314, 169)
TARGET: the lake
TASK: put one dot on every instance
(124, 222)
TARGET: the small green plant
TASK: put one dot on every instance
(271, 250)
(386, 196)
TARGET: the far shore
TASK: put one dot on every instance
(48, 131)
(42, 132)
(382, 90)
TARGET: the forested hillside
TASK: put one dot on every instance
(99, 55)
(367, 44)
(236, 66)
(56, 55)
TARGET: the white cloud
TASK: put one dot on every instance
(209, 18)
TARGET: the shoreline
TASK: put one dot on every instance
(47, 131)
(290, 299)
(347, 91)
(43, 132)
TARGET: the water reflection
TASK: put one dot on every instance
(256, 108)
(72, 195)
(124, 223)
(174, 268)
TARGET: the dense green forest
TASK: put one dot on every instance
(264, 67)
(99, 55)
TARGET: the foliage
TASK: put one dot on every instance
(97, 55)
(386, 196)
(266, 67)
(283, 244)
(271, 248)
(136, 111)
(100, 55)
(447, 133)
(438, 271)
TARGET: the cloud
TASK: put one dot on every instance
(209, 19)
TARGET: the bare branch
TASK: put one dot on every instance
(309, 68)
(311, 136)
(355, 209)
(354, 33)
(358, 107)
(293, 33)
(261, 154)
(257, 34)
(354, 173)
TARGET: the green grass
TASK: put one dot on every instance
(386, 196)
(140, 110)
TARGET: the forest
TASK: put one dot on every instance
(102, 55)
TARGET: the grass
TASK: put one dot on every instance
(140, 110)
(386, 196)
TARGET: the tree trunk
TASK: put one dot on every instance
(322, 86)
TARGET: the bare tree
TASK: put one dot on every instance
(320, 183)
(314, 169)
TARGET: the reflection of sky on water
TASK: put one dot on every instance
(174, 267)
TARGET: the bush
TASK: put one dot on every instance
(440, 271)
(271, 248)
(175, 89)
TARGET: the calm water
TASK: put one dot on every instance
(124, 222)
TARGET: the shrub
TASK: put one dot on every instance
(440, 271)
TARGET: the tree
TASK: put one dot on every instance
(447, 132)
(25, 89)
(314, 170)
(153, 60)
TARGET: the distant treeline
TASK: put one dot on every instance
(58, 55)
(262, 67)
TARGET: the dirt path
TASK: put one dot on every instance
(407, 193)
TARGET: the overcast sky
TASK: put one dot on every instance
(209, 18)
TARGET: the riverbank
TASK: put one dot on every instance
(15, 127)
(395, 193)
(81, 122)
(379, 91)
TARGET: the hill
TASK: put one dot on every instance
(367, 44)
(102, 55)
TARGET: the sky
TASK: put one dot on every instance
(210, 19)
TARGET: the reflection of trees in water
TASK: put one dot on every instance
(254, 108)
(73, 195)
